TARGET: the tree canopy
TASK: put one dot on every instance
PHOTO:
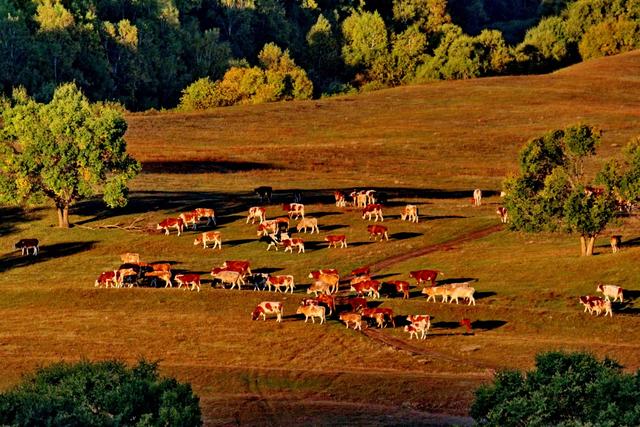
(64, 151)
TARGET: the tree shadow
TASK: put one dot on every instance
(12, 216)
(189, 167)
(48, 252)
(403, 235)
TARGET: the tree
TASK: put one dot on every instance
(65, 151)
(365, 40)
(564, 389)
(100, 394)
(609, 38)
(551, 192)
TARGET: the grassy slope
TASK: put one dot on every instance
(430, 145)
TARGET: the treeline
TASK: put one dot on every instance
(150, 53)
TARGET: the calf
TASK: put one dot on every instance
(188, 279)
(409, 213)
(341, 202)
(256, 213)
(130, 258)
(374, 209)
(312, 311)
(372, 287)
(464, 293)
(264, 193)
(414, 330)
(289, 244)
(612, 291)
(268, 307)
(401, 287)
(418, 323)
(107, 278)
(384, 312)
(378, 230)
(466, 323)
(278, 281)
(594, 304)
(206, 213)
(319, 286)
(168, 223)
(503, 214)
(355, 318)
(271, 241)
(323, 299)
(335, 239)
(209, 236)
(294, 209)
(25, 244)
(308, 222)
(477, 197)
(615, 243)
(189, 218)
(425, 275)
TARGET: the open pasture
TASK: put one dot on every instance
(426, 145)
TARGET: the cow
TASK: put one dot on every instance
(165, 276)
(355, 318)
(477, 197)
(160, 267)
(130, 258)
(268, 307)
(372, 287)
(292, 209)
(414, 330)
(258, 280)
(612, 291)
(264, 193)
(189, 218)
(444, 290)
(25, 244)
(418, 323)
(323, 299)
(359, 279)
(242, 267)
(312, 311)
(378, 230)
(271, 241)
(409, 213)
(227, 276)
(188, 279)
(335, 239)
(371, 196)
(267, 227)
(373, 312)
(616, 242)
(359, 198)
(123, 273)
(357, 303)
(594, 304)
(319, 286)
(341, 202)
(308, 222)
(279, 281)
(466, 323)
(361, 271)
(401, 287)
(206, 213)
(168, 223)
(333, 280)
(107, 278)
(503, 214)
(316, 273)
(425, 275)
(289, 244)
(603, 305)
(464, 293)
(209, 236)
(256, 213)
(374, 209)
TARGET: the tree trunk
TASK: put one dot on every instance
(587, 243)
(63, 216)
(590, 244)
(583, 246)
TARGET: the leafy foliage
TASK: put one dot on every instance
(100, 394)
(564, 389)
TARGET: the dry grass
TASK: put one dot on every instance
(429, 145)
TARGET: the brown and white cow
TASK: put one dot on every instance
(372, 287)
(25, 244)
(425, 275)
(122, 274)
(319, 286)
(209, 236)
(130, 258)
(168, 223)
(308, 222)
(414, 330)
(227, 276)
(165, 276)
(289, 244)
(503, 214)
(285, 280)
(267, 227)
(294, 209)
(107, 278)
(357, 303)
(315, 274)
(355, 318)
(190, 217)
(341, 202)
(477, 197)
(373, 209)
(256, 213)
(333, 280)
(464, 293)
(188, 279)
(359, 198)
(242, 267)
(409, 213)
(268, 307)
(616, 242)
(160, 266)
(611, 291)
(329, 301)
(401, 287)
(419, 323)
(312, 311)
(206, 213)
(361, 271)
(386, 313)
(378, 230)
(594, 304)
(335, 239)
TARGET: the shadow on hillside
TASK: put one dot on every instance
(404, 235)
(488, 325)
(481, 295)
(203, 166)
(47, 252)
(328, 228)
(237, 242)
(436, 217)
(457, 280)
(12, 216)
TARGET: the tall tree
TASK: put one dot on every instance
(65, 151)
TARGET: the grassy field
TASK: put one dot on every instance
(430, 145)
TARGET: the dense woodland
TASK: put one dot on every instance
(146, 53)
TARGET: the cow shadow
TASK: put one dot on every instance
(322, 214)
(384, 276)
(457, 280)
(313, 245)
(624, 243)
(445, 325)
(172, 263)
(403, 235)
(356, 244)
(437, 217)
(48, 252)
(328, 228)
(487, 325)
(481, 295)
(237, 242)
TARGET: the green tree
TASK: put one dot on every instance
(65, 151)
(323, 52)
(100, 394)
(610, 37)
(564, 389)
(366, 41)
(551, 191)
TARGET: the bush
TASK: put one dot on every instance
(100, 394)
(565, 389)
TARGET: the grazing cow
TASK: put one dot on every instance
(165, 276)
(464, 293)
(374, 209)
(292, 209)
(25, 244)
(409, 213)
(355, 318)
(361, 271)
(425, 275)
(126, 273)
(279, 281)
(189, 218)
(323, 299)
(188, 279)
(319, 286)
(209, 236)
(611, 291)
(264, 192)
(333, 280)
(371, 196)
(503, 214)
(107, 278)
(168, 223)
(335, 239)
(242, 267)
(378, 230)
(616, 242)
(401, 287)
(206, 213)
(466, 323)
(267, 227)
(594, 304)
(341, 202)
(130, 258)
(227, 276)
(312, 311)
(357, 303)
(418, 323)
(256, 213)
(308, 222)
(271, 240)
(316, 273)
(385, 312)
(268, 307)
(477, 197)
(372, 287)
(289, 244)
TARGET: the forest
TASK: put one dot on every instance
(196, 54)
